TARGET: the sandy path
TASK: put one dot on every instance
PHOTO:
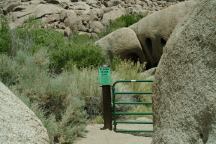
(97, 136)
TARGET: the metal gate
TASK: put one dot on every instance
(116, 113)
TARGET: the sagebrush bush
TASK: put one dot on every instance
(53, 98)
(85, 84)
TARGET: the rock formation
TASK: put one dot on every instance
(185, 89)
(124, 43)
(151, 34)
(154, 30)
(18, 124)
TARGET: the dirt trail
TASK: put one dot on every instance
(97, 136)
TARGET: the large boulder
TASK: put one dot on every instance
(18, 124)
(46, 9)
(185, 89)
(123, 43)
(154, 30)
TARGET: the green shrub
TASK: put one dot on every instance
(123, 21)
(80, 53)
(30, 37)
(5, 36)
(41, 38)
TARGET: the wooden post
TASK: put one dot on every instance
(107, 107)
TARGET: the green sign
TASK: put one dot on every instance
(104, 76)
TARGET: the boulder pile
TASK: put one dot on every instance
(85, 16)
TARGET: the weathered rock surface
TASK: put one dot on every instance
(86, 12)
(123, 43)
(18, 124)
(185, 89)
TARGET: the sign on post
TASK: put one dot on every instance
(105, 81)
(104, 74)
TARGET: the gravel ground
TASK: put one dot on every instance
(96, 136)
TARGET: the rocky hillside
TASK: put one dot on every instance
(84, 16)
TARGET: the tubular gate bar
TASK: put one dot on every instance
(115, 113)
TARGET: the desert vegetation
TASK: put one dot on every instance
(123, 21)
(56, 76)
